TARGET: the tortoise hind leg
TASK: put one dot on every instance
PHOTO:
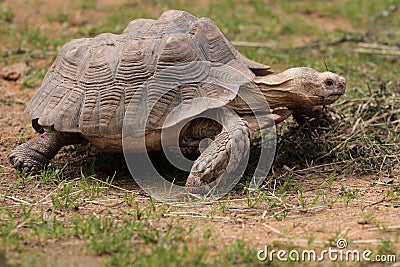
(223, 154)
(31, 156)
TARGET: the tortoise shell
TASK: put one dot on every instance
(92, 81)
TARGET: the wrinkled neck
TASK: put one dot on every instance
(277, 90)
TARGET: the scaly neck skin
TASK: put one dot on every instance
(276, 94)
(278, 91)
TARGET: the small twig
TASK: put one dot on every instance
(343, 162)
(378, 52)
(373, 48)
(355, 126)
(19, 226)
(61, 197)
(54, 191)
(376, 118)
(111, 185)
(393, 227)
(272, 228)
(378, 46)
(18, 200)
(374, 203)
(48, 195)
(309, 45)
(102, 204)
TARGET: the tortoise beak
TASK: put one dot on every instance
(341, 87)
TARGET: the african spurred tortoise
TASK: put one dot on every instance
(86, 93)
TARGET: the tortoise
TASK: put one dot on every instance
(85, 93)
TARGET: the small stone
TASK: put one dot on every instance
(13, 72)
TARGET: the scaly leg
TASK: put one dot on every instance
(34, 154)
(224, 153)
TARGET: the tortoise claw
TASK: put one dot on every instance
(26, 162)
(222, 156)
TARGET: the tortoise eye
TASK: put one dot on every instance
(329, 82)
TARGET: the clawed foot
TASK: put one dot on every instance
(222, 156)
(27, 160)
(31, 156)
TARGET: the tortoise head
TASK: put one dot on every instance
(301, 88)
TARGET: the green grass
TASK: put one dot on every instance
(6, 15)
(131, 240)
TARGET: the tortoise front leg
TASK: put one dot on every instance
(224, 153)
(31, 156)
